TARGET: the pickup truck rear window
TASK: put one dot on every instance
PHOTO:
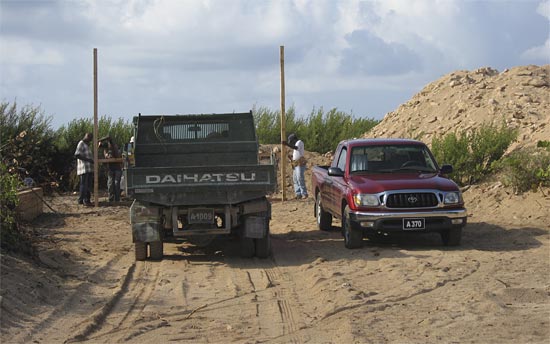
(391, 158)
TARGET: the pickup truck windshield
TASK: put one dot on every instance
(391, 158)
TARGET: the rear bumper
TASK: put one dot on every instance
(435, 220)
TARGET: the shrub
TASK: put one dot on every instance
(473, 153)
(10, 237)
(321, 131)
(525, 170)
(27, 142)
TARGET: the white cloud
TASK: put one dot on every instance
(544, 9)
(24, 52)
(541, 52)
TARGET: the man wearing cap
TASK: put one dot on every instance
(298, 165)
(84, 168)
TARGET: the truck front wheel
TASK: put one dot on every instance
(451, 236)
(324, 219)
(353, 238)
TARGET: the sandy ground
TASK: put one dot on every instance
(85, 286)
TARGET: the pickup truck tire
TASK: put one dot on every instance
(140, 250)
(324, 219)
(353, 238)
(451, 236)
(157, 250)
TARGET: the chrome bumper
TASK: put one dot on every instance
(374, 216)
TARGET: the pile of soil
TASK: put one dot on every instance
(460, 101)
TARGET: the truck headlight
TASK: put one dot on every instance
(452, 198)
(366, 200)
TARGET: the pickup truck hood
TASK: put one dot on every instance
(375, 183)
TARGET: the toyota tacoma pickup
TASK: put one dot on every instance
(377, 187)
(196, 177)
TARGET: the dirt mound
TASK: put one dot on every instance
(464, 100)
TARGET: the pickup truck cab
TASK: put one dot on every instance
(383, 186)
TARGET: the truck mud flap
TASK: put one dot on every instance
(145, 221)
(255, 227)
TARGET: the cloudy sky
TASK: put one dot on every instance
(205, 56)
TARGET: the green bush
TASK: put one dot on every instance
(321, 131)
(27, 142)
(525, 170)
(473, 153)
(10, 237)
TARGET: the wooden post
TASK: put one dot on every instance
(96, 161)
(283, 129)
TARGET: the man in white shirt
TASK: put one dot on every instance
(298, 164)
(84, 168)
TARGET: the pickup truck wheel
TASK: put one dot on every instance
(157, 250)
(352, 238)
(324, 219)
(140, 250)
(451, 236)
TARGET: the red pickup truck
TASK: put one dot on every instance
(383, 186)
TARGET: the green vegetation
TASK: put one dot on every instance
(321, 131)
(525, 170)
(8, 201)
(473, 153)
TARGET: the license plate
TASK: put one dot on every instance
(412, 224)
(200, 215)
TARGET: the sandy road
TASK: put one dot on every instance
(493, 288)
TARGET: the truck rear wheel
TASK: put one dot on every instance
(353, 238)
(263, 245)
(451, 236)
(157, 250)
(248, 247)
(140, 250)
(324, 219)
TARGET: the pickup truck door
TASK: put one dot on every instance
(335, 185)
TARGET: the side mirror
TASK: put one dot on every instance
(446, 169)
(335, 172)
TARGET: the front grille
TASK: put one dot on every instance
(412, 200)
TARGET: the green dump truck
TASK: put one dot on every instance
(196, 177)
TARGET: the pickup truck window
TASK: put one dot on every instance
(342, 159)
(391, 159)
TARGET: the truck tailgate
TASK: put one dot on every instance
(200, 184)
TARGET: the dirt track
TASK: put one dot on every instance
(495, 288)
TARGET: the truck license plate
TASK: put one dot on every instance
(200, 215)
(413, 224)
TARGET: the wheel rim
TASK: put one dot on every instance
(318, 210)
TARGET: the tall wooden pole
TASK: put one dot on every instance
(96, 161)
(283, 121)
